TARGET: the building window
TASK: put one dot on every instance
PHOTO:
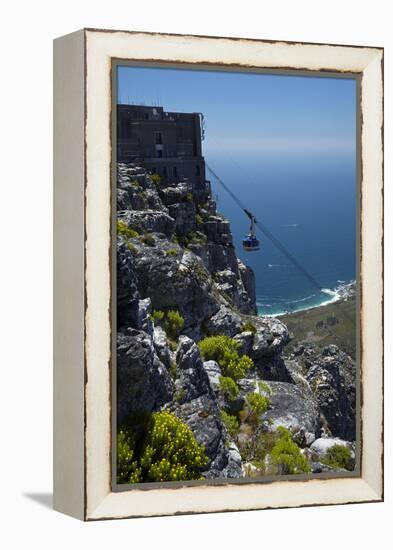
(198, 170)
(174, 172)
(164, 172)
(159, 153)
(158, 138)
(153, 170)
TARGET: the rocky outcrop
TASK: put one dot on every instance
(295, 409)
(225, 321)
(331, 375)
(149, 221)
(178, 255)
(248, 279)
(176, 280)
(144, 384)
(270, 338)
(196, 404)
(127, 289)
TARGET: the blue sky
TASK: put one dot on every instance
(253, 112)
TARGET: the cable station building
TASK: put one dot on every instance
(165, 143)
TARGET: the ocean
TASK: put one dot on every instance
(308, 202)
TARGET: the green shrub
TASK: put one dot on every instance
(131, 247)
(224, 350)
(125, 231)
(228, 388)
(157, 316)
(257, 404)
(213, 348)
(174, 322)
(168, 452)
(238, 368)
(171, 252)
(262, 386)
(156, 178)
(128, 470)
(179, 395)
(248, 326)
(173, 370)
(188, 197)
(231, 423)
(286, 455)
(198, 219)
(148, 239)
(339, 456)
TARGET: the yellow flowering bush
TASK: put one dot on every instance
(169, 452)
(128, 470)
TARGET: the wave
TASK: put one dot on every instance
(341, 292)
(303, 299)
(290, 225)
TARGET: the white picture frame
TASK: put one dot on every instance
(82, 258)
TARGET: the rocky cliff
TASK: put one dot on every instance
(179, 282)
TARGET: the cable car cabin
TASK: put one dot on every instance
(250, 243)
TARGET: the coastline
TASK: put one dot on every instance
(343, 292)
(331, 323)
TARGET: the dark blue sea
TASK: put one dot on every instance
(308, 201)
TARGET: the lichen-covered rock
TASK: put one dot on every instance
(148, 221)
(143, 320)
(127, 288)
(321, 445)
(178, 281)
(270, 338)
(213, 372)
(161, 345)
(135, 190)
(294, 409)
(195, 403)
(245, 340)
(225, 321)
(184, 216)
(175, 194)
(332, 378)
(230, 284)
(248, 279)
(221, 256)
(143, 382)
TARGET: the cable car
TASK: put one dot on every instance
(250, 241)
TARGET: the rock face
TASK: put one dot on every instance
(295, 409)
(332, 378)
(196, 404)
(144, 383)
(270, 338)
(176, 254)
(127, 291)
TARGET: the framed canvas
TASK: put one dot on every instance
(218, 266)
